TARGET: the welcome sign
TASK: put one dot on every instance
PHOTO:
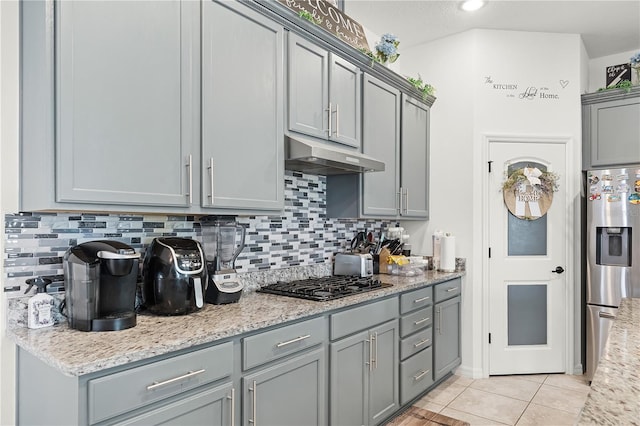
(330, 18)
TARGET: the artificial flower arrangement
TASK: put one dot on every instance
(425, 88)
(387, 49)
(634, 62)
(546, 182)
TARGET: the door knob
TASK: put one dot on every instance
(558, 270)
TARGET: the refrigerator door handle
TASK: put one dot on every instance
(606, 315)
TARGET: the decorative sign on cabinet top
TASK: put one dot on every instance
(330, 18)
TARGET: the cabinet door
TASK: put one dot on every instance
(349, 382)
(212, 407)
(381, 139)
(291, 393)
(614, 132)
(415, 158)
(126, 98)
(242, 109)
(383, 384)
(446, 337)
(308, 88)
(345, 101)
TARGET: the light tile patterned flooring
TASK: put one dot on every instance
(546, 399)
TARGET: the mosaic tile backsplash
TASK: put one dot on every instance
(35, 243)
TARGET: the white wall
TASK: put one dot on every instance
(8, 183)
(467, 108)
(598, 67)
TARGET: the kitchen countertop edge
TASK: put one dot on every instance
(65, 349)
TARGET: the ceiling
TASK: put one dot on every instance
(607, 27)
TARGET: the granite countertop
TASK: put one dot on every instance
(614, 398)
(75, 353)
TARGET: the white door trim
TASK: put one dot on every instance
(571, 271)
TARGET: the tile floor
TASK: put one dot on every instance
(546, 399)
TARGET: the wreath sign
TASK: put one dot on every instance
(528, 192)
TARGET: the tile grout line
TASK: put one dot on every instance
(531, 400)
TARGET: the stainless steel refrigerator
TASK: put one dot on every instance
(613, 251)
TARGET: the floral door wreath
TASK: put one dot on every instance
(528, 192)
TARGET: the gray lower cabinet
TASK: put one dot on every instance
(110, 103)
(446, 328)
(242, 108)
(324, 98)
(289, 393)
(610, 128)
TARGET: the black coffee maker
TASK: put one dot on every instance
(100, 285)
(174, 277)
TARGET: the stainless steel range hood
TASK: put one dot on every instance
(308, 156)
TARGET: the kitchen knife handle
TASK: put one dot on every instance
(254, 403)
(190, 177)
(210, 168)
(156, 385)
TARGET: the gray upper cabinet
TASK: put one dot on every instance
(242, 108)
(610, 128)
(324, 98)
(381, 139)
(414, 169)
(126, 95)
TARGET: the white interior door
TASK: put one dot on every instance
(527, 300)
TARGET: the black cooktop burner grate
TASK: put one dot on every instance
(324, 288)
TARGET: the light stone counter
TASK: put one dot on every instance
(614, 398)
(76, 353)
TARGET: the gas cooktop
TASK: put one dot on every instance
(324, 288)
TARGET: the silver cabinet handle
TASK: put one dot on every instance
(421, 321)
(421, 342)
(421, 375)
(370, 363)
(399, 200)
(337, 121)
(156, 385)
(329, 116)
(422, 299)
(210, 168)
(190, 177)
(233, 406)
(254, 403)
(406, 200)
(374, 361)
(606, 315)
(297, 339)
(449, 290)
(439, 311)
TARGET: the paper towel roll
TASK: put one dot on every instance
(448, 254)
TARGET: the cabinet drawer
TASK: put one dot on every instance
(416, 342)
(270, 345)
(363, 317)
(447, 290)
(415, 321)
(415, 375)
(121, 392)
(416, 299)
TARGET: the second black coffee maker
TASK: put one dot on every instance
(174, 277)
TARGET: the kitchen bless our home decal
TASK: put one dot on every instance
(527, 92)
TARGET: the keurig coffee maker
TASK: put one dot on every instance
(100, 284)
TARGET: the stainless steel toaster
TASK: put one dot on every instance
(360, 264)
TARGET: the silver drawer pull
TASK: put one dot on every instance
(156, 385)
(606, 315)
(297, 339)
(421, 375)
(422, 299)
(421, 342)
(449, 290)
(421, 321)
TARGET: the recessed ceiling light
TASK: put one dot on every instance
(471, 5)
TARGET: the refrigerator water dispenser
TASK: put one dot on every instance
(613, 246)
